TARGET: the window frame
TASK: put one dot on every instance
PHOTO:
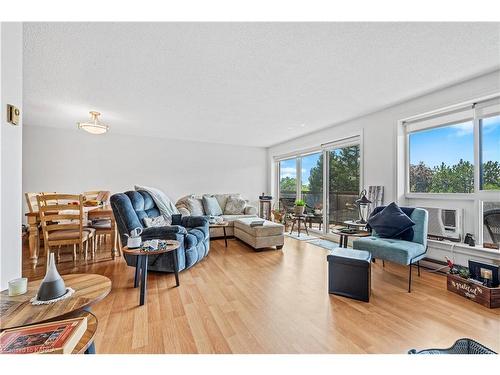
(480, 108)
(324, 149)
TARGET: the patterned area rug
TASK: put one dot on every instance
(302, 237)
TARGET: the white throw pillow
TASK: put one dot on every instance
(159, 221)
(195, 206)
(234, 206)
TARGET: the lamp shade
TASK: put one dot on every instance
(94, 126)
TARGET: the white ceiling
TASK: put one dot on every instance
(254, 84)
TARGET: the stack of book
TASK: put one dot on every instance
(58, 337)
(257, 223)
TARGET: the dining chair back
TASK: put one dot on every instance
(62, 220)
(100, 195)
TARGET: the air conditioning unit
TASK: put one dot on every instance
(445, 224)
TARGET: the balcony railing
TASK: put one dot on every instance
(342, 205)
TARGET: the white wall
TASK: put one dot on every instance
(11, 57)
(379, 138)
(75, 161)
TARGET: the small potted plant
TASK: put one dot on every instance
(300, 206)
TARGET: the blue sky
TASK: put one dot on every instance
(287, 167)
(451, 143)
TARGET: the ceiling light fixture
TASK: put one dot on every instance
(94, 126)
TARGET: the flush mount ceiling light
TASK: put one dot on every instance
(94, 126)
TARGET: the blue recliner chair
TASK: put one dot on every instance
(399, 251)
(131, 207)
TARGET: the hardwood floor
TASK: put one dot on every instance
(241, 301)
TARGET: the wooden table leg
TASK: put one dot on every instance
(144, 279)
(114, 238)
(176, 267)
(225, 238)
(34, 242)
(138, 262)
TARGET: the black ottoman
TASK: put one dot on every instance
(349, 273)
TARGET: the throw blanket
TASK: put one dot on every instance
(165, 205)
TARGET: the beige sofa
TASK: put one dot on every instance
(248, 211)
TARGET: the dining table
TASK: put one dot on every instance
(92, 213)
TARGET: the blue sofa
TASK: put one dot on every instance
(131, 207)
(396, 250)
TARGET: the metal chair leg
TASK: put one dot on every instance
(418, 268)
(409, 280)
(383, 263)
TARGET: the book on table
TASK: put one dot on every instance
(59, 337)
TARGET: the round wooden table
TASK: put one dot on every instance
(17, 311)
(88, 337)
(141, 266)
(222, 225)
(345, 236)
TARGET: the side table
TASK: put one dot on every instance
(222, 225)
(299, 219)
(344, 237)
(141, 267)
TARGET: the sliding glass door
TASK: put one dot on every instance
(328, 180)
(288, 181)
(311, 170)
(343, 183)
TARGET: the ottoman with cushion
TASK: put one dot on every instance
(349, 273)
(267, 235)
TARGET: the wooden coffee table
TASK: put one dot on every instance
(17, 311)
(222, 225)
(345, 236)
(141, 267)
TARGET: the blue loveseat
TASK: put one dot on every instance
(131, 207)
(398, 250)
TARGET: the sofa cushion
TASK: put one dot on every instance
(390, 222)
(235, 206)
(398, 251)
(231, 218)
(222, 199)
(195, 206)
(267, 229)
(211, 206)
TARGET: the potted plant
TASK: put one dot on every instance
(300, 206)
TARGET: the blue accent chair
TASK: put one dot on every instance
(131, 207)
(399, 251)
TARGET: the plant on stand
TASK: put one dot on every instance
(300, 206)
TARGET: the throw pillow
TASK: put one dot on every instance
(195, 206)
(211, 206)
(234, 206)
(159, 221)
(390, 222)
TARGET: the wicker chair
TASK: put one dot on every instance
(492, 223)
(461, 346)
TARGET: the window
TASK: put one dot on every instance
(303, 177)
(344, 182)
(454, 154)
(442, 159)
(489, 131)
(288, 179)
(312, 180)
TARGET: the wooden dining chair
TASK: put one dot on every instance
(99, 195)
(62, 219)
(103, 228)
